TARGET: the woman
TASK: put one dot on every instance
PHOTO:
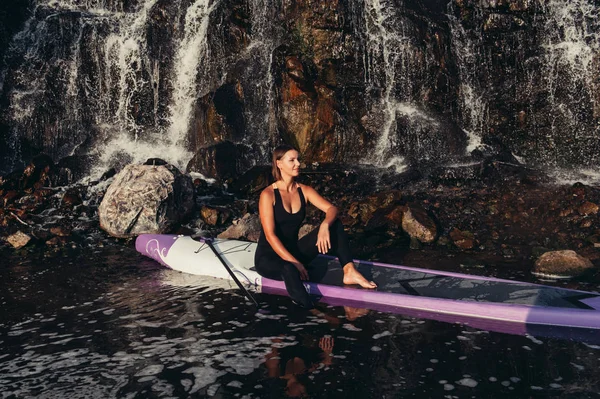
(282, 208)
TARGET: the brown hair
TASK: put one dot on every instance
(278, 153)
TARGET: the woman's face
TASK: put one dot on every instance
(289, 164)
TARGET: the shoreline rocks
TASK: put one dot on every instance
(511, 223)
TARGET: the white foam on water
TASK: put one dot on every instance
(592, 346)
(555, 386)
(467, 382)
(381, 335)
(351, 327)
(375, 349)
(578, 366)
(203, 376)
(150, 370)
(534, 340)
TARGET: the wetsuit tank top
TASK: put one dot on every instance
(287, 225)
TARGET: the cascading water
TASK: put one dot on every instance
(386, 47)
(265, 36)
(191, 53)
(472, 100)
(571, 51)
(401, 72)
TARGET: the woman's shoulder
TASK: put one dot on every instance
(267, 192)
(305, 188)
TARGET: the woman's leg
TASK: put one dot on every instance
(340, 248)
(273, 267)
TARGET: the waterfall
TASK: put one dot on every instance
(192, 52)
(570, 44)
(128, 80)
(385, 47)
(265, 37)
(472, 97)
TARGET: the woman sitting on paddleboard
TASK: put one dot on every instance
(282, 208)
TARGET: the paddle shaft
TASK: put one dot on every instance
(239, 284)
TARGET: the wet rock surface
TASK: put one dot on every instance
(146, 199)
(474, 221)
(562, 264)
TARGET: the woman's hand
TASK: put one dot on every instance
(323, 241)
(302, 270)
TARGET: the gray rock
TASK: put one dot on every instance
(146, 199)
(18, 240)
(418, 225)
(561, 264)
(248, 227)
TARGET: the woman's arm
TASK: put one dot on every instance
(267, 219)
(331, 212)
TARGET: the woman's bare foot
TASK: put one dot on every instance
(352, 276)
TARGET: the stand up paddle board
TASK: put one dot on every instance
(449, 296)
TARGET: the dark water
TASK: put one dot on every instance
(113, 324)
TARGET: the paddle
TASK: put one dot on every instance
(208, 241)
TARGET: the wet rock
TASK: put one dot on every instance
(248, 228)
(155, 162)
(10, 197)
(209, 215)
(396, 215)
(361, 212)
(462, 239)
(219, 118)
(60, 231)
(419, 225)
(364, 211)
(253, 181)
(37, 171)
(146, 199)
(588, 208)
(561, 264)
(18, 240)
(42, 194)
(415, 244)
(213, 216)
(108, 174)
(57, 241)
(71, 198)
(221, 161)
(71, 169)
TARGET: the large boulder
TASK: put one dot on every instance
(146, 199)
(561, 264)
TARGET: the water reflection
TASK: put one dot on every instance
(115, 327)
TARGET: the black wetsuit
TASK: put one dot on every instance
(287, 225)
